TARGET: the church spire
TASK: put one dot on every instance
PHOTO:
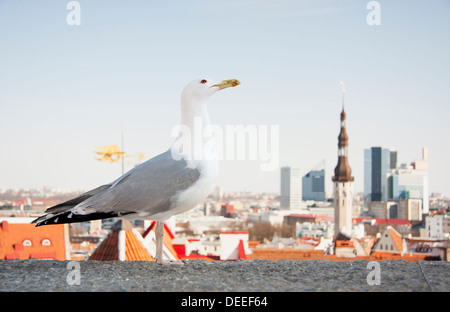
(343, 182)
(343, 172)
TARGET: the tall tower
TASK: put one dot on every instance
(342, 182)
(377, 163)
(291, 188)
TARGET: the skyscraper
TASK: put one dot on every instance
(384, 180)
(313, 185)
(291, 188)
(343, 184)
(409, 182)
(377, 162)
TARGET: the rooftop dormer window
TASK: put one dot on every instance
(46, 242)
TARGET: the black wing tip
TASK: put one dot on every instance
(39, 221)
(45, 220)
(70, 217)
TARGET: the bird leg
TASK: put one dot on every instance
(159, 231)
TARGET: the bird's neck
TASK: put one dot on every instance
(196, 117)
(194, 141)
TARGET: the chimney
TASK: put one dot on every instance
(121, 245)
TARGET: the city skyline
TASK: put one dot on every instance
(67, 89)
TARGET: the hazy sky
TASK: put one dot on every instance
(64, 90)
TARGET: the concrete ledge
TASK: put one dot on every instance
(236, 276)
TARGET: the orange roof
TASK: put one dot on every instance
(134, 250)
(379, 255)
(343, 243)
(25, 241)
(275, 254)
(202, 257)
(382, 221)
(396, 238)
(109, 249)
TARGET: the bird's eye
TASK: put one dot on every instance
(203, 81)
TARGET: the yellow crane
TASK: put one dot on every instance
(113, 153)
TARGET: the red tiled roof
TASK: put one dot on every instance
(134, 250)
(379, 256)
(309, 240)
(275, 254)
(14, 235)
(396, 238)
(108, 250)
(383, 221)
(343, 243)
(202, 257)
(180, 249)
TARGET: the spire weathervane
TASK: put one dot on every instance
(343, 93)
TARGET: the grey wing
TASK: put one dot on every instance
(147, 188)
(75, 201)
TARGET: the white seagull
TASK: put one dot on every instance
(168, 184)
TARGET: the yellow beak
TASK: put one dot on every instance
(227, 83)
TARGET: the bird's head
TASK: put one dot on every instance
(201, 90)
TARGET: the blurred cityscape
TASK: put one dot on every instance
(396, 217)
(267, 231)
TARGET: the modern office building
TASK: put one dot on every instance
(393, 159)
(377, 162)
(385, 181)
(291, 188)
(409, 182)
(313, 185)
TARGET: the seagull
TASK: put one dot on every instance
(165, 185)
